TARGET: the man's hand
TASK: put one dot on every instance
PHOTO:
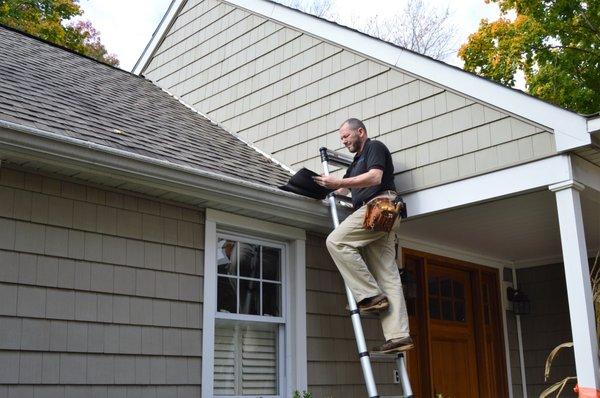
(330, 181)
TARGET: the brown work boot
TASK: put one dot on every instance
(393, 346)
(372, 305)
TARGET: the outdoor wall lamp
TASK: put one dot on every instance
(519, 301)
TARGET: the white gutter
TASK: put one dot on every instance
(181, 178)
(593, 125)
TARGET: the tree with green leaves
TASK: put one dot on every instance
(48, 20)
(554, 43)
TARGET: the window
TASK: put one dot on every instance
(254, 312)
(250, 321)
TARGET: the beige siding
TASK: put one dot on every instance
(333, 366)
(100, 292)
(287, 92)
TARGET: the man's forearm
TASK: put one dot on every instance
(365, 180)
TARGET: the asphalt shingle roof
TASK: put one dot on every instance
(53, 89)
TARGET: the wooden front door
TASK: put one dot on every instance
(451, 332)
(456, 323)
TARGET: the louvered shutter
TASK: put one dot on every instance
(259, 362)
(245, 359)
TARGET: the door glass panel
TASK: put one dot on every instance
(459, 311)
(434, 308)
(447, 314)
(434, 289)
(459, 290)
(445, 288)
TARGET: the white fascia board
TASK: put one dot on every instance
(593, 125)
(140, 169)
(158, 35)
(586, 173)
(502, 183)
(570, 128)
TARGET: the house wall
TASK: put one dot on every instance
(288, 92)
(100, 292)
(333, 366)
(547, 326)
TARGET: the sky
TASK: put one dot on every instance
(126, 26)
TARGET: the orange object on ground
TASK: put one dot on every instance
(586, 392)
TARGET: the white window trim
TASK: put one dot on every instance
(295, 366)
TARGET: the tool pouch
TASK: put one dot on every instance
(381, 214)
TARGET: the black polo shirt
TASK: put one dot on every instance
(375, 155)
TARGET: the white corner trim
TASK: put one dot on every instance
(254, 225)
(566, 185)
(570, 128)
(158, 35)
(209, 308)
(510, 181)
(593, 125)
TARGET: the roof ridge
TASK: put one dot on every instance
(44, 41)
(235, 135)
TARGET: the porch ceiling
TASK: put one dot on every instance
(522, 229)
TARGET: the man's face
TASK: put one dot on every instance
(350, 138)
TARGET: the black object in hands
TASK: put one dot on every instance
(303, 183)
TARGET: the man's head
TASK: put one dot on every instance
(353, 134)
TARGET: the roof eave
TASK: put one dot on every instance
(262, 200)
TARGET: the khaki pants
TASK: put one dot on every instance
(352, 248)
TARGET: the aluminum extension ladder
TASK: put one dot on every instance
(338, 159)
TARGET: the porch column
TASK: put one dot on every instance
(579, 288)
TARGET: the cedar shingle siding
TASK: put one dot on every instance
(287, 92)
(100, 292)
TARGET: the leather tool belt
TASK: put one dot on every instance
(382, 213)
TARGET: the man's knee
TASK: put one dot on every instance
(332, 242)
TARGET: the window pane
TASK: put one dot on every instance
(226, 294)
(271, 262)
(271, 299)
(259, 361)
(459, 310)
(249, 297)
(249, 260)
(226, 257)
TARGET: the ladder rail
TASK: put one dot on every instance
(328, 156)
(363, 352)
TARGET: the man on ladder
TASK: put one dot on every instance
(377, 289)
